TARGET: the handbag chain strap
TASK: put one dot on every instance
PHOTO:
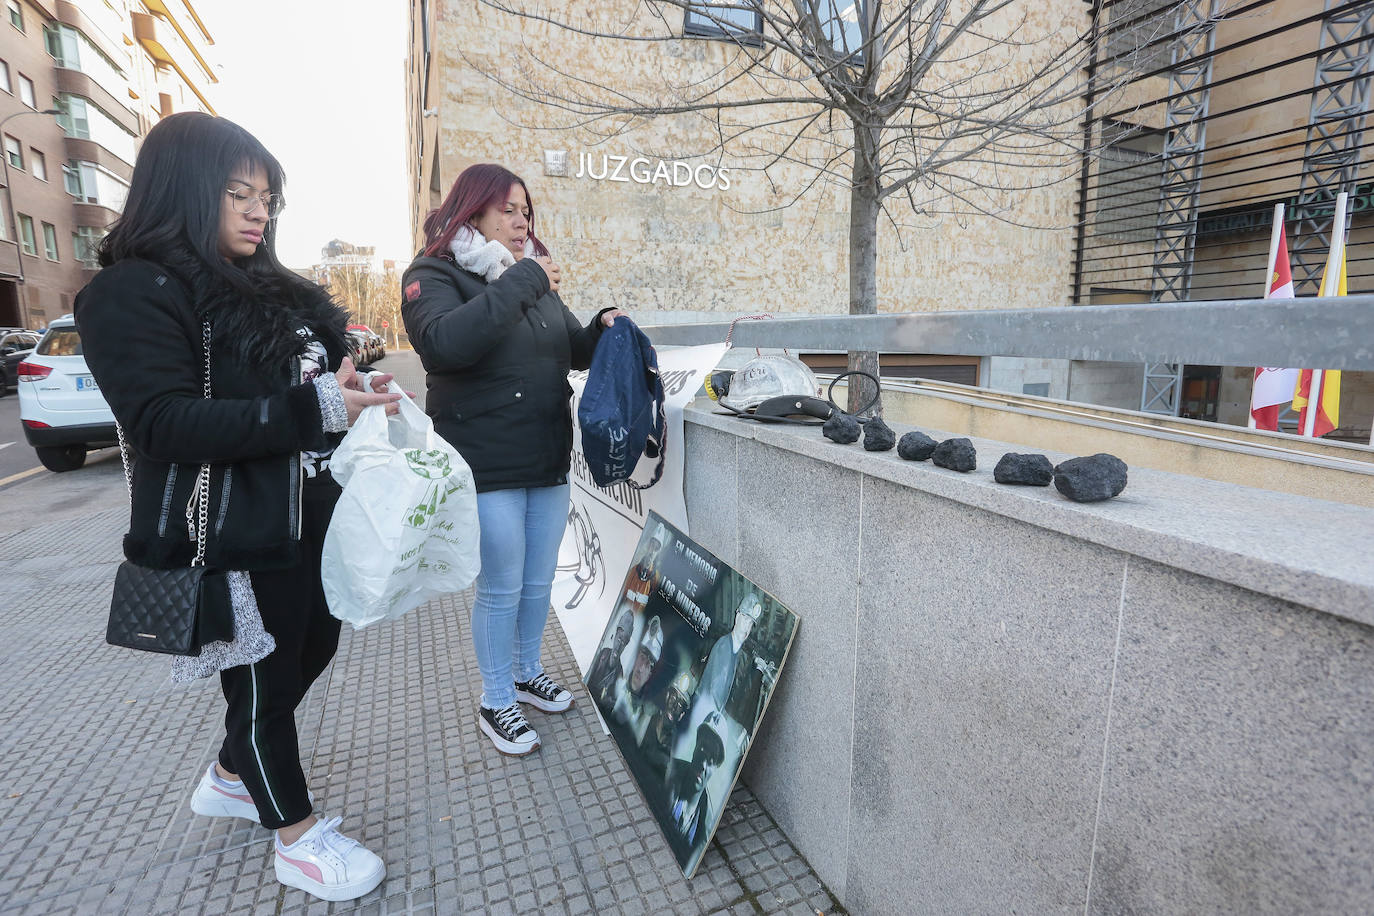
(198, 506)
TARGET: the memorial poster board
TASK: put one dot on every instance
(682, 676)
(605, 523)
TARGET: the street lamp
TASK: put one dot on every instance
(14, 216)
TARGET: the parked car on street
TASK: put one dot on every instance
(357, 347)
(15, 344)
(60, 405)
(373, 347)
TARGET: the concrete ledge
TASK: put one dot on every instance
(1001, 701)
(1308, 551)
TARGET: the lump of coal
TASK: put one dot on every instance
(955, 454)
(1031, 470)
(915, 446)
(878, 436)
(842, 428)
(1091, 479)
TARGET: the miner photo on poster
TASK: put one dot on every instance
(682, 676)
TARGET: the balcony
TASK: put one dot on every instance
(164, 45)
(96, 215)
(9, 259)
(69, 13)
(78, 83)
(90, 151)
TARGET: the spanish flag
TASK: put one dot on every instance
(1329, 397)
(1273, 386)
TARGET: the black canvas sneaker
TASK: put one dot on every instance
(542, 693)
(508, 730)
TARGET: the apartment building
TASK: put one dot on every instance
(110, 70)
(1217, 110)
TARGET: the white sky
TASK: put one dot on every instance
(321, 83)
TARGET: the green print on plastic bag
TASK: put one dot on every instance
(431, 464)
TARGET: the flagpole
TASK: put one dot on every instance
(1332, 278)
(1269, 275)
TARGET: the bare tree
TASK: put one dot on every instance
(920, 108)
(370, 296)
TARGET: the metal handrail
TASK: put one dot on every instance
(1311, 332)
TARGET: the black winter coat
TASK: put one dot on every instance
(497, 357)
(141, 335)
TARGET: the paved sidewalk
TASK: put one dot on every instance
(99, 754)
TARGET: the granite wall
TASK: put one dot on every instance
(1000, 701)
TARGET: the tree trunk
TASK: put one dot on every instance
(864, 208)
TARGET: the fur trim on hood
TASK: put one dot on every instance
(259, 327)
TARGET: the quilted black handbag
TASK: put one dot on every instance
(174, 611)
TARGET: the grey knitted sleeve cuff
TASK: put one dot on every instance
(332, 409)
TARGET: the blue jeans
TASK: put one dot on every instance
(521, 531)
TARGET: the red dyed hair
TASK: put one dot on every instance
(476, 188)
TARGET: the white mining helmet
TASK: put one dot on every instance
(765, 377)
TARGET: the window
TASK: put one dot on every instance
(16, 14)
(72, 50)
(84, 242)
(839, 22)
(736, 21)
(26, 92)
(14, 152)
(38, 164)
(1129, 179)
(82, 119)
(5, 77)
(50, 241)
(93, 184)
(26, 236)
(1139, 38)
(64, 341)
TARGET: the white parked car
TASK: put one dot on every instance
(60, 405)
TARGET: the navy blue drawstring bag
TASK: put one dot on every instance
(621, 412)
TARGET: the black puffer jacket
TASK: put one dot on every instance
(497, 357)
(141, 335)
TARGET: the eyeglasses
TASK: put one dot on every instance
(246, 201)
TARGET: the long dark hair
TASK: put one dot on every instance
(172, 218)
(476, 188)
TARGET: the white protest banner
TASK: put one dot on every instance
(604, 525)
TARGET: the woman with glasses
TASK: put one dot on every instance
(481, 308)
(191, 287)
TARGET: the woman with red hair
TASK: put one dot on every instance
(481, 307)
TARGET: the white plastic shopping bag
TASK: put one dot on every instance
(405, 529)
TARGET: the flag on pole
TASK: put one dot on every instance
(1328, 383)
(1274, 387)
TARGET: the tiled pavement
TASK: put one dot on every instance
(99, 754)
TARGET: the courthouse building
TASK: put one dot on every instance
(1227, 108)
(112, 69)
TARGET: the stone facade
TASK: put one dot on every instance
(665, 248)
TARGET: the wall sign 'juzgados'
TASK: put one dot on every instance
(637, 169)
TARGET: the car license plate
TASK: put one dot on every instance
(86, 383)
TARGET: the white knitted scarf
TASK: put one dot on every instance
(472, 252)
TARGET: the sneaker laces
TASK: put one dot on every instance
(330, 841)
(544, 684)
(511, 719)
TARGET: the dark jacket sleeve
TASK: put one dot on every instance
(582, 340)
(450, 333)
(136, 340)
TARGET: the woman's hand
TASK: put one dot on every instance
(608, 318)
(355, 394)
(551, 269)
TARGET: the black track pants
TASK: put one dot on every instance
(260, 742)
